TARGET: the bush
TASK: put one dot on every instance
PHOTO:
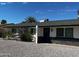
(26, 37)
(7, 35)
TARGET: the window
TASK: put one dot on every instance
(32, 30)
(60, 32)
(69, 32)
(64, 32)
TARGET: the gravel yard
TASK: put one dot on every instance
(13, 48)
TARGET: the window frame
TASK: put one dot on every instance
(71, 36)
(57, 32)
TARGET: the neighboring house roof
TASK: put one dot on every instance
(8, 25)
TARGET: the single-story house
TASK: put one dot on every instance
(44, 31)
(68, 29)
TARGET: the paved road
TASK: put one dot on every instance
(28, 49)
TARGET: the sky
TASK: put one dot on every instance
(16, 12)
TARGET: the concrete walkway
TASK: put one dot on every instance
(13, 48)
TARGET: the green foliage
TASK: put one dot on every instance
(26, 37)
(3, 22)
(3, 35)
(9, 34)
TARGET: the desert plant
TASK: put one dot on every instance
(26, 37)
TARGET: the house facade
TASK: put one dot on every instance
(63, 29)
(67, 29)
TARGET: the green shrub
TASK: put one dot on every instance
(26, 37)
(5, 34)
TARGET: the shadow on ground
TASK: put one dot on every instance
(60, 40)
(72, 43)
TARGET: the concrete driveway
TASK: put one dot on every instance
(29, 49)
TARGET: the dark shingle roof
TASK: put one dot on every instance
(62, 22)
(48, 23)
(53, 23)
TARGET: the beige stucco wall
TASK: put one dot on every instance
(53, 31)
(76, 32)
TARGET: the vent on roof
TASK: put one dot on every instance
(46, 20)
(41, 20)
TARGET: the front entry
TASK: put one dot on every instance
(46, 35)
(0, 34)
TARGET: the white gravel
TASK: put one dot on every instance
(12, 48)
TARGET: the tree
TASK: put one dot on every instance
(3, 22)
(30, 19)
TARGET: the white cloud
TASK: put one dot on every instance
(3, 3)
